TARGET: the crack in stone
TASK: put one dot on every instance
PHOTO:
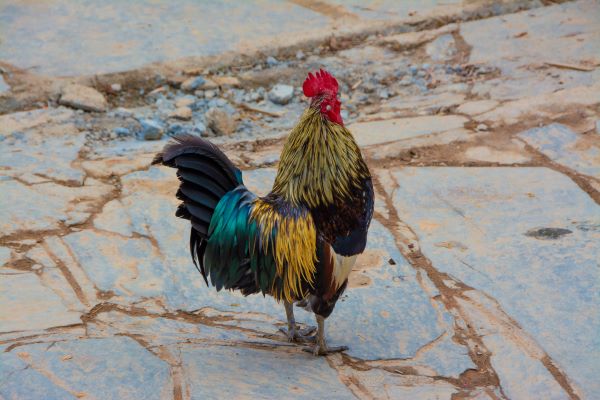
(454, 298)
(66, 272)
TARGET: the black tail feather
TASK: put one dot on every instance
(206, 175)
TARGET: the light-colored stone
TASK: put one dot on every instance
(488, 154)
(565, 147)
(226, 81)
(409, 40)
(395, 149)
(185, 101)
(193, 83)
(3, 85)
(108, 166)
(219, 122)
(429, 103)
(45, 205)
(543, 105)
(182, 113)
(376, 132)
(273, 375)
(281, 94)
(549, 287)
(27, 305)
(441, 48)
(83, 97)
(5, 255)
(476, 107)
(106, 368)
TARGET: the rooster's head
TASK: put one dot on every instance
(322, 88)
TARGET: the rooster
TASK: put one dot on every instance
(299, 242)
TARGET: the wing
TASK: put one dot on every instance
(254, 245)
(356, 241)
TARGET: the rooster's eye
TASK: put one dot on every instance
(328, 107)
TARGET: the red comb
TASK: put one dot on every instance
(319, 83)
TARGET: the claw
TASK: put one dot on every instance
(300, 335)
(325, 350)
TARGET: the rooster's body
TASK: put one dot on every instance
(298, 243)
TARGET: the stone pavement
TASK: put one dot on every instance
(481, 279)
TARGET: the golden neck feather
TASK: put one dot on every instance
(320, 163)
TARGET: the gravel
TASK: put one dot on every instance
(151, 129)
(281, 94)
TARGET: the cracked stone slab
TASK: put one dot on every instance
(112, 368)
(386, 314)
(19, 382)
(564, 146)
(548, 283)
(377, 132)
(44, 142)
(44, 206)
(258, 374)
(525, 42)
(27, 305)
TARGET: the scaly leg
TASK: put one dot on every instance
(321, 348)
(293, 333)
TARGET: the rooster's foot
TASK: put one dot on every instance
(304, 335)
(320, 350)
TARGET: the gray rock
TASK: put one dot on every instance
(151, 129)
(175, 129)
(200, 128)
(442, 48)
(405, 81)
(122, 112)
(272, 61)
(281, 94)
(383, 94)
(219, 122)
(191, 84)
(598, 127)
(3, 85)
(413, 69)
(121, 131)
(83, 97)
(481, 127)
(300, 55)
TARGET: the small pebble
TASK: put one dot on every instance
(121, 131)
(191, 84)
(405, 81)
(116, 87)
(300, 55)
(482, 127)
(281, 94)
(151, 129)
(272, 61)
(183, 113)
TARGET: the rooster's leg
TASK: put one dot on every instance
(293, 333)
(321, 348)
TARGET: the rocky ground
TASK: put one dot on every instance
(482, 274)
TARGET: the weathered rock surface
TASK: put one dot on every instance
(474, 205)
(83, 98)
(564, 146)
(477, 282)
(376, 132)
